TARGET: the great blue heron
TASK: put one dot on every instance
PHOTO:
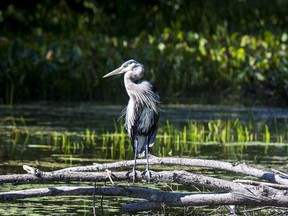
(142, 112)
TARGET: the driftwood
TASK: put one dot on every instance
(269, 190)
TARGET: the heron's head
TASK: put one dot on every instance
(133, 69)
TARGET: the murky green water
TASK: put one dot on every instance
(52, 136)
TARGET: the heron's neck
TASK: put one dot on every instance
(130, 85)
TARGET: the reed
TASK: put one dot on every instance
(187, 138)
(266, 135)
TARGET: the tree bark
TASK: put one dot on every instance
(156, 199)
(240, 168)
(238, 192)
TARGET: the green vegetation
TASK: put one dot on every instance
(218, 49)
(116, 144)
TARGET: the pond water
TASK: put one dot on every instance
(52, 136)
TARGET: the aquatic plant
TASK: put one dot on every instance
(266, 135)
(181, 139)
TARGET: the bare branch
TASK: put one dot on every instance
(232, 192)
(237, 168)
(156, 199)
(257, 183)
(178, 176)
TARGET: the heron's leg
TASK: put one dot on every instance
(135, 155)
(147, 163)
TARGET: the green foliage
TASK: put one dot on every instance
(236, 48)
(171, 140)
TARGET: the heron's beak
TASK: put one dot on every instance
(115, 72)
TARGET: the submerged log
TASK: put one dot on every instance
(238, 192)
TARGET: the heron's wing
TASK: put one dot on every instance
(153, 131)
(145, 129)
(147, 121)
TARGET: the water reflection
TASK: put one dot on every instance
(79, 116)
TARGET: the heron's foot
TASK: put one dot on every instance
(148, 174)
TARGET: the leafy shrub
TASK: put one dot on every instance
(189, 48)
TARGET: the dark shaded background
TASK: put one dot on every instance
(208, 51)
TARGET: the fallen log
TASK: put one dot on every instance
(226, 192)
